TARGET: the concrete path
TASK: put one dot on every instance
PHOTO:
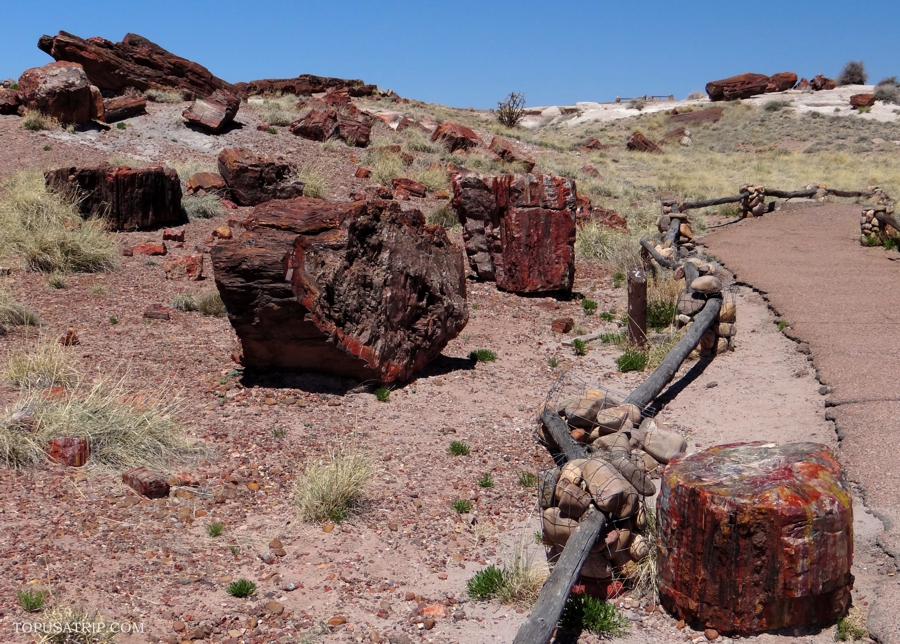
(842, 299)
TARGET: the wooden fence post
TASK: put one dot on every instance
(637, 307)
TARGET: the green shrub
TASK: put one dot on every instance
(242, 588)
(585, 613)
(486, 584)
(458, 448)
(589, 306)
(580, 347)
(854, 73)
(486, 481)
(382, 394)
(215, 529)
(632, 360)
(482, 355)
(31, 600)
(660, 314)
(461, 506)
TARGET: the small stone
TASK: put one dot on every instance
(274, 608)
(178, 626)
(442, 575)
(222, 232)
(562, 325)
(337, 620)
(253, 487)
(410, 596)
(157, 312)
(712, 384)
(711, 634)
(276, 543)
(267, 557)
(824, 391)
(680, 625)
(429, 623)
(706, 285)
(328, 527)
(149, 249)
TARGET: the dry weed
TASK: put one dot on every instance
(280, 110)
(35, 121)
(171, 95)
(315, 184)
(42, 365)
(13, 314)
(329, 489)
(74, 625)
(523, 576)
(201, 206)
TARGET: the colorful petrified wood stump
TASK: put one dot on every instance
(755, 536)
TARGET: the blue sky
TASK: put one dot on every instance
(471, 54)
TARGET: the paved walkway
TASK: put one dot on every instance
(844, 300)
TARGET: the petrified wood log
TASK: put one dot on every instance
(134, 62)
(120, 108)
(862, 100)
(146, 483)
(519, 230)
(73, 452)
(129, 198)
(306, 85)
(781, 81)
(640, 143)
(213, 113)
(711, 115)
(755, 536)
(355, 289)
(735, 87)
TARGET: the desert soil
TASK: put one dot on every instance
(405, 554)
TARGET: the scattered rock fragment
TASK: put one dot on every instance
(146, 483)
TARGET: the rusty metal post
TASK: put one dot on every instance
(637, 307)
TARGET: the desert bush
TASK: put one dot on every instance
(433, 178)
(776, 106)
(888, 90)
(126, 427)
(637, 104)
(444, 216)
(619, 251)
(386, 167)
(207, 302)
(517, 582)
(585, 613)
(315, 184)
(695, 96)
(511, 110)
(13, 314)
(35, 121)
(49, 233)
(854, 73)
(170, 95)
(417, 140)
(201, 206)
(330, 489)
(281, 110)
(42, 365)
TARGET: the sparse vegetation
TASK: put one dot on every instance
(386, 166)
(315, 184)
(482, 355)
(201, 206)
(511, 110)
(632, 360)
(461, 506)
(585, 613)
(852, 626)
(888, 90)
(171, 95)
(241, 588)
(580, 347)
(279, 432)
(588, 306)
(458, 448)
(42, 365)
(121, 125)
(329, 489)
(518, 582)
(207, 302)
(696, 95)
(443, 216)
(854, 73)
(46, 230)
(553, 362)
(13, 314)
(279, 110)
(637, 104)
(64, 624)
(98, 289)
(31, 600)
(36, 121)
(528, 479)
(215, 529)
(486, 481)
(382, 394)
(782, 325)
(486, 584)
(56, 281)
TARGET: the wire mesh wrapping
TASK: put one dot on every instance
(615, 478)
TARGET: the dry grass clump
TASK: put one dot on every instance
(187, 169)
(444, 216)
(126, 428)
(74, 625)
(201, 206)
(523, 577)
(386, 167)
(433, 178)
(619, 251)
(43, 365)
(279, 110)
(315, 184)
(35, 121)
(417, 140)
(329, 489)
(171, 95)
(207, 302)
(46, 229)
(13, 314)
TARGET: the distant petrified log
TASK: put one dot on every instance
(740, 86)
(359, 290)
(61, 90)
(519, 230)
(640, 143)
(820, 82)
(134, 62)
(711, 115)
(255, 178)
(306, 85)
(511, 153)
(323, 124)
(755, 536)
(214, 113)
(862, 100)
(781, 81)
(129, 198)
(120, 108)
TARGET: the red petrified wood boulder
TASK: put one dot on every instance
(9, 101)
(781, 81)
(640, 143)
(129, 198)
(306, 85)
(73, 452)
(862, 100)
(755, 536)
(134, 62)
(120, 108)
(146, 483)
(360, 290)
(519, 230)
(740, 86)
(214, 113)
(820, 82)
(510, 153)
(711, 115)
(185, 267)
(455, 136)
(323, 124)
(410, 187)
(204, 183)
(255, 178)
(61, 90)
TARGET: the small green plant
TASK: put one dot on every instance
(56, 281)
(47, 148)
(580, 347)
(618, 279)
(872, 241)
(486, 481)
(553, 362)
(113, 319)
(632, 360)
(121, 125)
(458, 448)
(616, 338)
(31, 600)
(241, 588)
(150, 262)
(215, 529)
(528, 479)
(782, 325)
(608, 316)
(382, 394)
(890, 243)
(279, 432)
(98, 289)
(461, 506)
(864, 109)
(482, 355)
(486, 583)
(589, 306)
(475, 306)
(271, 130)
(585, 613)
(660, 314)
(235, 550)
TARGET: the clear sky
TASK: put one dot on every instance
(473, 53)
